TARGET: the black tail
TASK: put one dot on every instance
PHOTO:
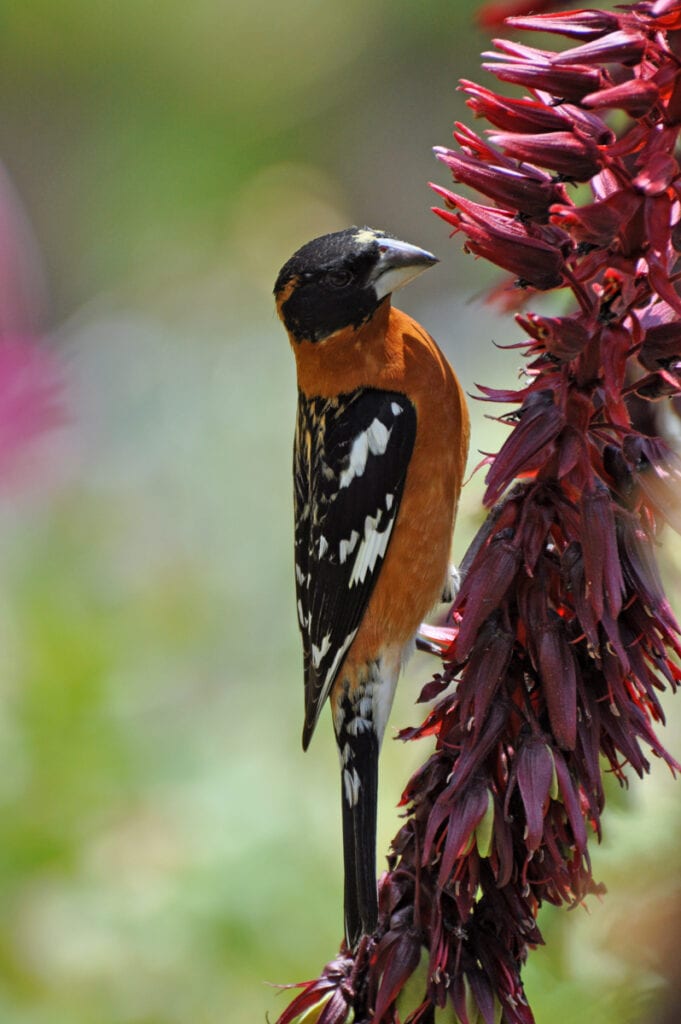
(359, 785)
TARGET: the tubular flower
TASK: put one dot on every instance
(560, 639)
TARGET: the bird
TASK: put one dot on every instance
(380, 448)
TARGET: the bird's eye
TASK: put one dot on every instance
(338, 278)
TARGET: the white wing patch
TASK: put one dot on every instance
(320, 652)
(358, 459)
(346, 547)
(373, 547)
(300, 575)
(338, 657)
(378, 435)
(375, 440)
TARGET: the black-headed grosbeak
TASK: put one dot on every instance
(380, 449)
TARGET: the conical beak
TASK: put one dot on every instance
(398, 263)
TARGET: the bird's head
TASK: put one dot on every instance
(339, 280)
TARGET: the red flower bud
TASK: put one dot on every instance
(528, 446)
(559, 682)
(512, 115)
(529, 192)
(657, 175)
(506, 242)
(617, 47)
(571, 83)
(578, 24)
(636, 97)
(661, 345)
(597, 223)
(483, 590)
(563, 336)
(535, 770)
(576, 159)
(603, 574)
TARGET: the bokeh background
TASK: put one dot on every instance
(166, 850)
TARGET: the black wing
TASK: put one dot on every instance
(350, 462)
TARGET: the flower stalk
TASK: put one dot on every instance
(561, 638)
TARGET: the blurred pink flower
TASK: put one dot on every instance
(30, 376)
(30, 398)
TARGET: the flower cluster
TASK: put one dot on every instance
(561, 637)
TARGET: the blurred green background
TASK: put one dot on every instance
(165, 847)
